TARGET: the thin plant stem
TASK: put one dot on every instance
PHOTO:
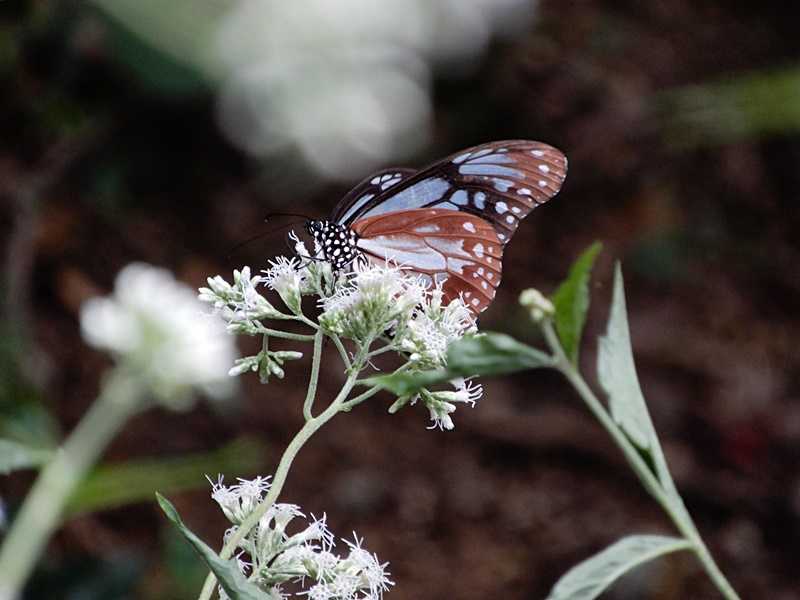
(671, 503)
(310, 428)
(342, 350)
(297, 337)
(314, 378)
(40, 513)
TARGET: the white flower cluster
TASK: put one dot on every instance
(433, 328)
(271, 557)
(156, 328)
(371, 302)
(375, 300)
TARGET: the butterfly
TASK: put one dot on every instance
(447, 223)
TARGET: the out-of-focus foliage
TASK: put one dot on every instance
(115, 485)
(745, 106)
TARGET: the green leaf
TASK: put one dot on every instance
(617, 373)
(403, 384)
(571, 301)
(485, 354)
(111, 486)
(227, 572)
(590, 578)
(15, 456)
(493, 354)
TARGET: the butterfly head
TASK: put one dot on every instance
(338, 242)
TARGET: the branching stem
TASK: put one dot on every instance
(671, 503)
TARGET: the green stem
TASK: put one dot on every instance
(312, 383)
(298, 337)
(39, 516)
(310, 428)
(342, 351)
(671, 503)
(350, 404)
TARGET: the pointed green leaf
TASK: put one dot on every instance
(15, 456)
(485, 354)
(404, 384)
(227, 572)
(493, 354)
(590, 578)
(571, 301)
(617, 373)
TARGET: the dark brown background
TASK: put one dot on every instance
(98, 169)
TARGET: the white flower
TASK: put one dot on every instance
(375, 299)
(434, 327)
(239, 304)
(239, 500)
(155, 326)
(287, 278)
(441, 404)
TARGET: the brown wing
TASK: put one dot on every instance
(457, 249)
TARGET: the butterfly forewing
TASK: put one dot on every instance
(456, 249)
(370, 188)
(500, 182)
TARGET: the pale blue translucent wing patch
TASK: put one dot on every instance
(370, 188)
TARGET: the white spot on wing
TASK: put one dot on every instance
(480, 200)
(510, 219)
(516, 209)
(431, 228)
(538, 153)
(478, 250)
(501, 207)
(542, 183)
(469, 227)
(544, 168)
(462, 157)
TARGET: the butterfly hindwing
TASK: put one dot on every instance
(458, 250)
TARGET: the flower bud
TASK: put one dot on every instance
(540, 308)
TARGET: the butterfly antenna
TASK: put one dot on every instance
(261, 235)
(285, 214)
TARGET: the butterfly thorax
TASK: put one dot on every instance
(338, 242)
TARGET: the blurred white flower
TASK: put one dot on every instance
(346, 83)
(155, 326)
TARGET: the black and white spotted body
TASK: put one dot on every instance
(338, 242)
